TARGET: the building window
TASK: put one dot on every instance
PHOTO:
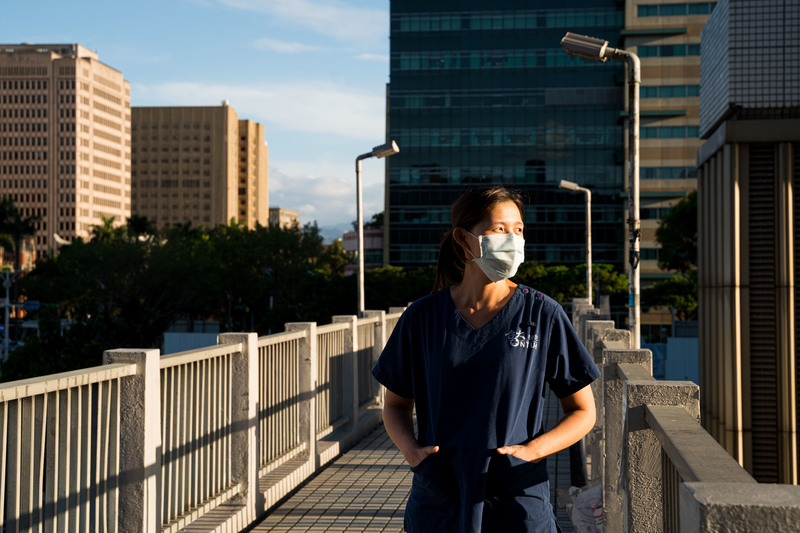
(668, 173)
(669, 50)
(670, 132)
(671, 91)
(676, 10)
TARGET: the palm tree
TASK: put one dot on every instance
(14, 228)
(106, 232)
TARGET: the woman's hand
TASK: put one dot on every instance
(578, 419)
(399, 422)
(526, 452)
(416, 456)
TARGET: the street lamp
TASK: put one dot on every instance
(598, 50)
(383, 150)
(572, 186)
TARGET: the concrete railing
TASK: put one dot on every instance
(208, 438)
(659, 469)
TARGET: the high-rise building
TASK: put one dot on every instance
(482, 93)
(199, 164)
(666, 37)
(64, 139)
(748, 244)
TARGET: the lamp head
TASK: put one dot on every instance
(385, 150)
(585, 46)
(568, 185)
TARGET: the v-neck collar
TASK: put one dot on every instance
(466, 329)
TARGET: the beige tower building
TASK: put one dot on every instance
(749, 235)
(199, 164)
(666, 36)
(64, 139)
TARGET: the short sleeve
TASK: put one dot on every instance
(569, 366)
(394, 369)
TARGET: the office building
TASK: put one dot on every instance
(284, 218)
(749, 221)
(666, 37)
(482, 93)
(200, 165)
(373, 249)
(64, 139)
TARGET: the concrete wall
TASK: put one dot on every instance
(659, 469)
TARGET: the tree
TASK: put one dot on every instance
(677, 234)
(14, 228)
(563, 283)
(376, 222)
(677, 292)
(106, 232)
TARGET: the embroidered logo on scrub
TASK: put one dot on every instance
(518, 339)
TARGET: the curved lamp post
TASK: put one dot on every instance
(383, 150)
(572, 186)
(598, 50)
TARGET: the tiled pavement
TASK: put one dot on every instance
(363, 490)
(366, 489)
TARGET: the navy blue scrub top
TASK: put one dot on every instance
(474, 391)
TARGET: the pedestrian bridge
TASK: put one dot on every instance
(210, 439)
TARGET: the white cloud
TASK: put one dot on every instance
(374, 57)
(326, 17)
(308, 106)
(328, 199)
(283, 47)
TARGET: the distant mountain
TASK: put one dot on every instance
(331, 233)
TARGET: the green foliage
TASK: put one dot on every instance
(14, 228)
(563, 283)
(677, 234)
(126, 285)
(375, 222)
(395, 287)
(678, 292)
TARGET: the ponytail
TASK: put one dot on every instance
(450, 264)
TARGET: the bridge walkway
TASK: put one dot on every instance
(365, 490)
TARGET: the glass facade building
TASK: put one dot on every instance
(482, 93)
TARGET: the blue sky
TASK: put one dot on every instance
(314, 72)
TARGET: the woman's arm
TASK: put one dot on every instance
(399, 422)
(578, 419)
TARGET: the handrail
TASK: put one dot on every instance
(277, 338)
(695, 453)
(332, 328)
(166, 440)
(23, 388)
(199, 354)
(368, 320)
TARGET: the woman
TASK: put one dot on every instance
(473, 360)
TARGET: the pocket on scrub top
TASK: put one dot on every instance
(433, 486)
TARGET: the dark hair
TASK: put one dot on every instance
(469, 209)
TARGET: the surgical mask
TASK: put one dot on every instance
(500, 256)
